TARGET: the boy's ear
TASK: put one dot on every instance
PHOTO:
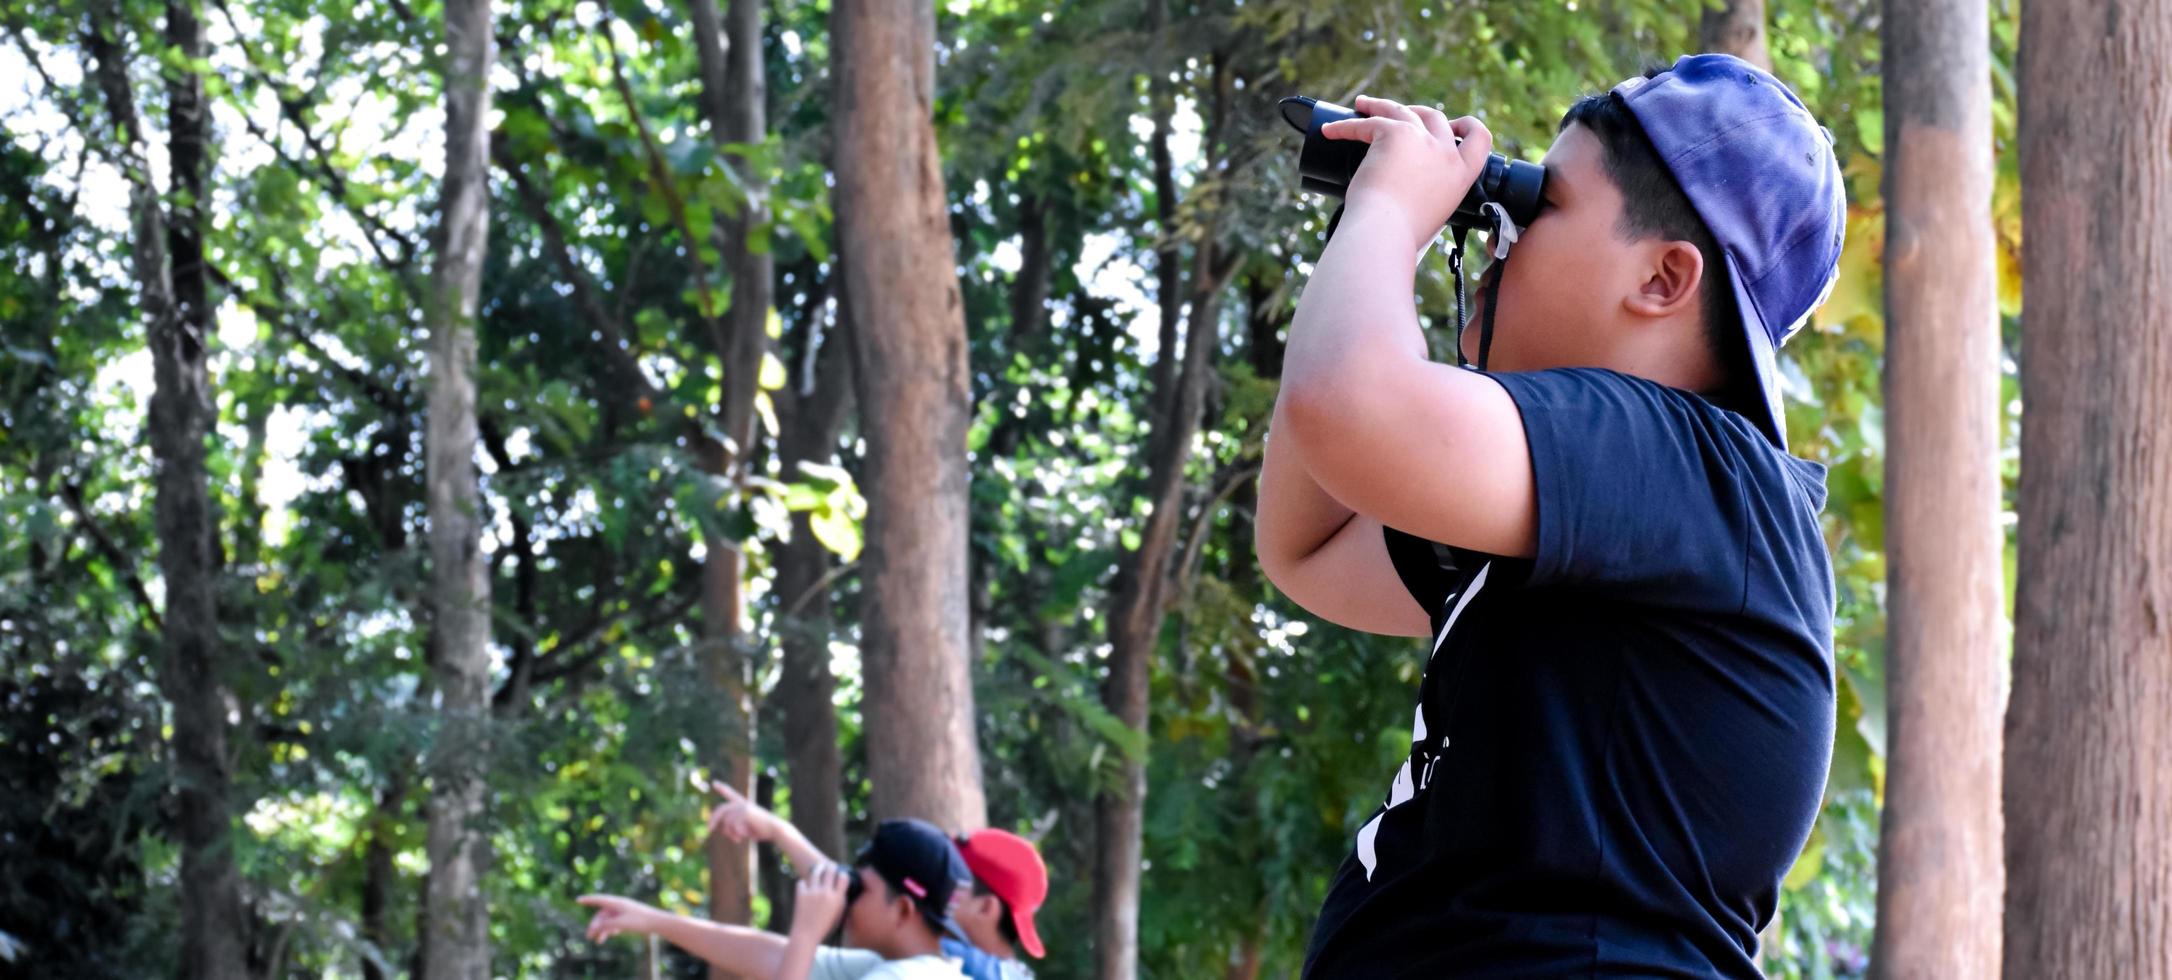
(1672, 275)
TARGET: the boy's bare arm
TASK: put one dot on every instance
(1420, 446)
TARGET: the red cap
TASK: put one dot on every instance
(1011, 868)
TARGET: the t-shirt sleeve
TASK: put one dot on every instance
(1644, 492)
(834, 963)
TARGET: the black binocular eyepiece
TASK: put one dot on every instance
(1326, 166)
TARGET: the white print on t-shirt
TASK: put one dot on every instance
(1417, 771)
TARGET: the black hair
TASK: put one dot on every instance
(1654, 206)
(1004, 924)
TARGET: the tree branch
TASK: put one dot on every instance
(564, 665)
(294, 109)
(73, 494)
(660, 173)
(621, 365)
(1195, 543)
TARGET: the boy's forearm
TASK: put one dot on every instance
(805, 856)
(1357, 307)
(751, 952)
(1296, 516)
(796, 961)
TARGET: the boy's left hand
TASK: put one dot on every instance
(1416, 169)
(740, 819)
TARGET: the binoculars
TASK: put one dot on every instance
(1326, 165)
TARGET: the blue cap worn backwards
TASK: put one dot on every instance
(1761, 173)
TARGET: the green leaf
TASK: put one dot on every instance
(1870, 129)
(837, 531)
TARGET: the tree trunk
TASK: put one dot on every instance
(379, 874)
(1737, 27)
(456, 944)
(1940, 874)
(732, 92)
(1136, 612)
(1168, 270)
(214, 928)
(2089, 866)
(814, 767)
(911, 369)
(1140, 593)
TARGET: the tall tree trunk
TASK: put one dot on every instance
(1264, 319)
(1736, 27)
(1137, 609)
(910, 365)
(1940, 870)
(814, 768)
(2088, 792)
(732, 93)
(456, 943)
(214, 927)
(1140, 594)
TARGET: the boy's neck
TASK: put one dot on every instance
(988, 940)
(908, 943)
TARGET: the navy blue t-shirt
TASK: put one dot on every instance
(1621, 742)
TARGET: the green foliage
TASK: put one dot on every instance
(1272, 734)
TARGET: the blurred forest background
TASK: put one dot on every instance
(707, 399)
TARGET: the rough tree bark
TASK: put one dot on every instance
(2088, 792)
(168, 263)
(1736, 27)
(1940, 870)
(1140, 596)
(910, 366)
(456, 940)
(732, 92)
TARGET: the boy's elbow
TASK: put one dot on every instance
(1314, 411)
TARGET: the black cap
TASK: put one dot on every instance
(922, 862)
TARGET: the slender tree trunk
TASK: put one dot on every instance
(814, 766)
(1736, 27)
(1168, 268)
(1265, 319)
(456, 942)
(910, 364)
(732, 93)
(379, 874)
(2088, 789)
(1940, 871)
(1137, 610)
(214, 927)
(1140, 594)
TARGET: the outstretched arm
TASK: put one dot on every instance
(751, 952)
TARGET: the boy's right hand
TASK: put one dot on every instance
(615, 915)
(819, 900)
(739, 818)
